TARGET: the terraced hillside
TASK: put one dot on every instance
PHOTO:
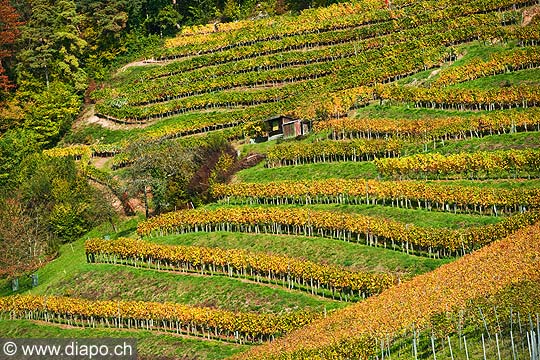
(404, 225)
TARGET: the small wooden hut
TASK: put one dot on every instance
(286, 127)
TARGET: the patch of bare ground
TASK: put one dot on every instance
(145, 62)
(529, 14)
(113, 125)
(433, 73)
(83, 118)
(89, 117)
(99, 162)
(109, 197)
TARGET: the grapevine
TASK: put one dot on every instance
(357, 330)
(374, 231)
(481, 164)
(434, 128)
(327, 151)
(407, 194)
(282, 270)
(196, 321)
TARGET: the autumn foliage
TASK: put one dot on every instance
(406, 193)
(237, 262)
(328, 151)
(9, 32)
(352, 332)
(196, 321)
(377, 231)
(481, 164)
(446, 128)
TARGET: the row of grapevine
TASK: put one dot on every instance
(84, 151)
(463, 99)
(287, 97)
(223, 121)
(271, 54)
(277, 94)
(356, 331)
(445, 38)
(528, 35)
(327, 151)
(219, 79)
(172, 90)
(436, 242)
(182, 47)
(210, 101)
(307, 49)
(407, 194)
(336, 103)
(433, 128)
(177, 318)
(76, 151)
(371, 75)
(269, 45)
(150, 92)
(336, 16)
(490, 328)
(227, 123)
(481, 164)
(315, 48)
(278, 269)
(499, 63)
(306, 16)
(229, 100)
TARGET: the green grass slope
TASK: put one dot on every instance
(416, 63)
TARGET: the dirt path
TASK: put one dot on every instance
(99, 162)
(88, 117)
(529, 14)
(146, 62)
(116, 126)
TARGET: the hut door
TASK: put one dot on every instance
(297, 128)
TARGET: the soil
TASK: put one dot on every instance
(99, 162)
(88, 117)
(530, 14)
(142, 63)
(110, 197)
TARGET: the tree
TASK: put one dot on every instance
(175, 173)
(11, 114)
(231, 11)
(156, 168)
(50, 112)
(202, 11)
(166, 22)
(103, 27)
(51, 44)
(69, 44)
(22, 240)
(61, 196)
(15, 145)
(9, 32)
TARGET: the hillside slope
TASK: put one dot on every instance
(403, 198)
(350, 332)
